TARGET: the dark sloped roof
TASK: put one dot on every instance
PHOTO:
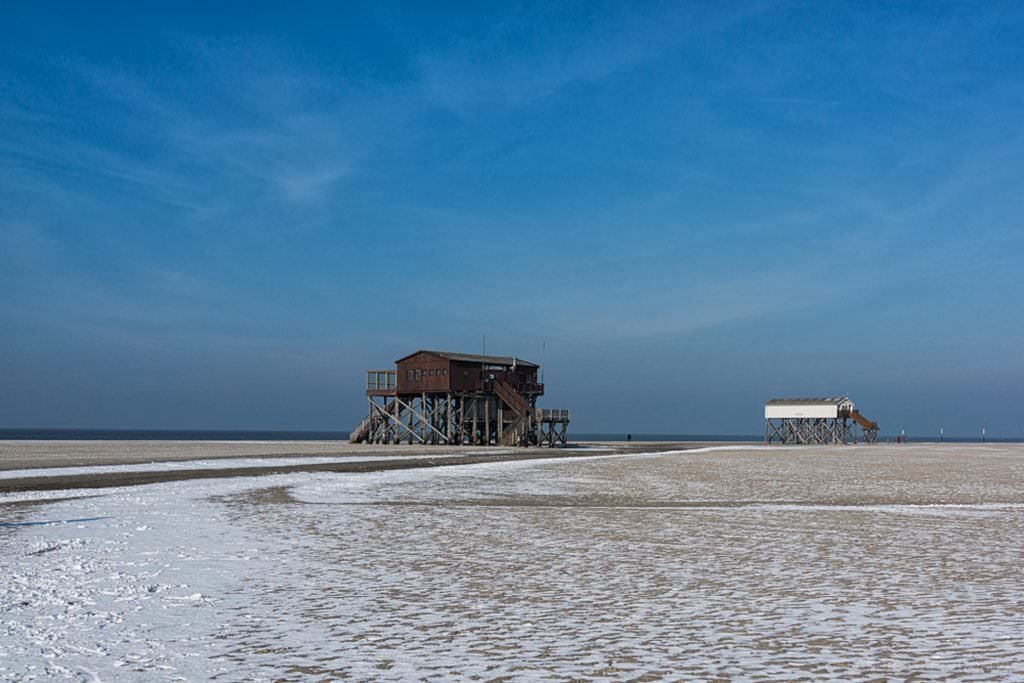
(474, 358)
(826, 401)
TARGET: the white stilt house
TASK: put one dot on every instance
(830, 420)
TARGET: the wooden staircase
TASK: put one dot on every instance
(361, 430)
(365, 428)
(863, 421)
(512, 398)
(516, 434)
(869, 428)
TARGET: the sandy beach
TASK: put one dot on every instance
(717, 562)
(29, 454)
(55, 465)
(22, 454)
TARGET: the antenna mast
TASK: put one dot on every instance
(543, 348)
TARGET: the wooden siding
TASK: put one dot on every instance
(423, 373)
(426, 372)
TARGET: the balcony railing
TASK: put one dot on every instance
(381, 380)
(521, 387)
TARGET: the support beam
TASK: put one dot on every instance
(398, 422)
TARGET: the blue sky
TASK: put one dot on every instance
(218, 219)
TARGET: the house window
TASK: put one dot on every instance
(419, 374)
(444, 372)
(408, 375)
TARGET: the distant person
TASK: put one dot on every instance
(629, 437)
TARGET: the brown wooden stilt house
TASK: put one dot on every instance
(440, 397)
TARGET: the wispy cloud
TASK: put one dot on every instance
(284, 141)
(24, 248)
(528, 56)
(306, 186)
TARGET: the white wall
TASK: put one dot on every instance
(790, 410)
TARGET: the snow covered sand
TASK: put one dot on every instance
(837, 563)
(58, 465)
(39, 454)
